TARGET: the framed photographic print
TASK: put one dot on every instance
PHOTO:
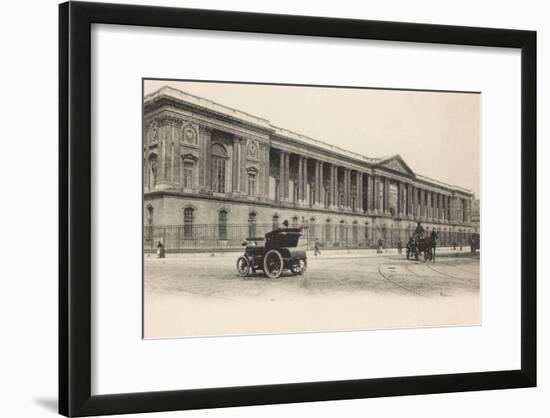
(262, 209)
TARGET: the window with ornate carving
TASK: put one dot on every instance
(219, 160)
(222, 224)
(251, 183)
(188, 220)
(188, 174)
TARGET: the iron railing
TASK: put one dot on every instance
(216, 237)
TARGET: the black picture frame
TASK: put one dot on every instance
(75, 19)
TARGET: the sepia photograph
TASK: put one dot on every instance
(271, 209)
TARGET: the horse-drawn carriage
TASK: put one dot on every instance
(422, 245)
(279, 253)
(474, 243)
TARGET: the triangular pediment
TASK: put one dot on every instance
(396, 163)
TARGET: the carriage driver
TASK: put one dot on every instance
(419, 231)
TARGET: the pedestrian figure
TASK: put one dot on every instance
(316, 250)
(160, 250)
(454, 245)
(380, 243)
(399, 247)
(460, 245)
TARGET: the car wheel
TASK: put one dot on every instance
(273, 264)
(243, 267)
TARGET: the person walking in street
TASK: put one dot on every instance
(316, 250)
(160, 250)
(399, 247)
(379, 248)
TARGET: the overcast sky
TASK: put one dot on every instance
(437, 134)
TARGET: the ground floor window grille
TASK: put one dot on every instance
(222, 225)
(188, 220)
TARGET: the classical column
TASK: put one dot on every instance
(333, 180)
(267, 165)
(287, 176)
(300, 178)
(376, 194)
(410, 198)
(317, 184)
(468, 210)
(422, 213)
(321, 185)
(304, 179)
(400, 196)
(205, 157)
(386, 195)
(359, 191)
(281, 175)
(236, 164)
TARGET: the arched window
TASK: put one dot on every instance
(153, 170)
(328, 231)
(222, 224)
(275, 221)
(354, 232)
(252, 224)
(312, 228)
(294, 222)
(188, 220)
(342, 231)
(219, 163)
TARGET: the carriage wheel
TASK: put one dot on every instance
(273, 264)
(243, 266)
(299, 267)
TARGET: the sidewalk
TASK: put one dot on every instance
(327, 253)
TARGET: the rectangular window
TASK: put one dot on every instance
(188, 175)
(251, 184)
(218, 175)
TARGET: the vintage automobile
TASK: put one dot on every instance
(279, 253)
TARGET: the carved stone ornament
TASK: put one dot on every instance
(153, 133)
(252, 151)
(189, 135)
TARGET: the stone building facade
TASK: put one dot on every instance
(208, 168)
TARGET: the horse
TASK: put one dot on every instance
(422, 245)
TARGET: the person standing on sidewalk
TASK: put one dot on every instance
(399, 247)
